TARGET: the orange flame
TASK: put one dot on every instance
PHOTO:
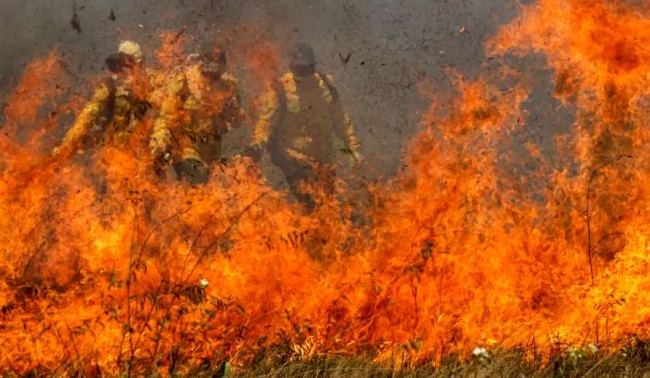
(106, 268)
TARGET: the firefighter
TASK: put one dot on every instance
(115, 111)
(300, 114)
(118, 105)
(201, 103)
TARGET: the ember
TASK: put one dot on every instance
(113, 261)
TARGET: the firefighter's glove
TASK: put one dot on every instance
(162, 156)
(162, 159)
(358, 158)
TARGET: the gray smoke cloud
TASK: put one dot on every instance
(377, 50)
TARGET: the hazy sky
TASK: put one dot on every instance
(393, 45)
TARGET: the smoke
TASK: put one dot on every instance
(378, 51)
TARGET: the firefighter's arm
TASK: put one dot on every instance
(238, 111)
(161, 135)
(263, 126)
(262, 129)
(344, 126)
(88, 115)
(234, 112)
(157, 83)
(160, 138)
(348, 134)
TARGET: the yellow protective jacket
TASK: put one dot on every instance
(113, 113)
(299, 116)
(194, 114)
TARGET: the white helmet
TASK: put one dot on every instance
(131, 48)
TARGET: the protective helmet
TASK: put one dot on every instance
(131, 48)
(302, 61)
(118, 62)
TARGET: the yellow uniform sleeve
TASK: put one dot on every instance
(234, 113)
(157, 80)
(161, 136)
(344, 125)
(268, 109)
(90, 114)
(351, 136)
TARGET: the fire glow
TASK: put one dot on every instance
(453, 254)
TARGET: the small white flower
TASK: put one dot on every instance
(576, 354)
(592, 348)
(480, 352)
(204, 283)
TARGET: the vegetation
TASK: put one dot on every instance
(631, 361)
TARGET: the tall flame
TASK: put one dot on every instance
(104, 268)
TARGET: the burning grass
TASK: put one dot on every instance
(104, 270)
(631, 361)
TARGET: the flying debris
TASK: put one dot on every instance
(74, 22)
